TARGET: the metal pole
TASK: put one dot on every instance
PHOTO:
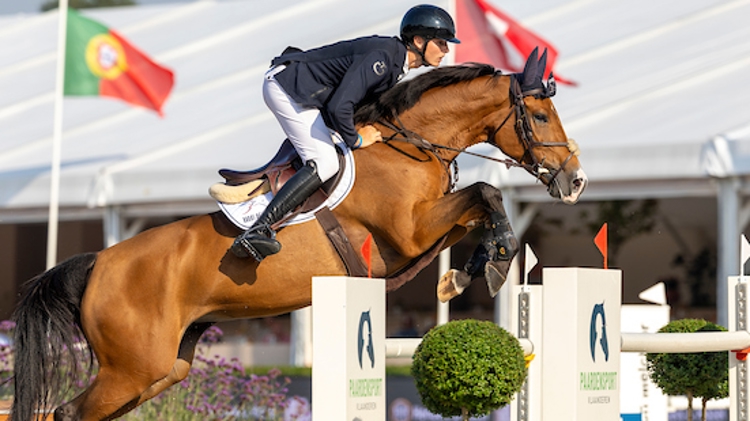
(728, 239)
(112, 226)
(444, 265)
(54, 195)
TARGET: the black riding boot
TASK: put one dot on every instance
(260, 240)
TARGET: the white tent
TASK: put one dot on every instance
(660, 110)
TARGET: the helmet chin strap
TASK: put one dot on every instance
(422, 52)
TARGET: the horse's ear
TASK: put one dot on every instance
(530, 69)
(542, 65)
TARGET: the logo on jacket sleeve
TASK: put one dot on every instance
(379, 68)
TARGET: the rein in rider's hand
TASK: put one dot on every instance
(369, 134)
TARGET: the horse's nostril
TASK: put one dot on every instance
(577, 182)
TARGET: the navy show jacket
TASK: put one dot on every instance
(335, 78)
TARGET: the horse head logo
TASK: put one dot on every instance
(598, 311)
(365, 319)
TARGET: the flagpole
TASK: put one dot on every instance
(54, 195)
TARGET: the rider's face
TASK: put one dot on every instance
(436, 49)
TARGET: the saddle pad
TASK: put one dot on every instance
(244, 214)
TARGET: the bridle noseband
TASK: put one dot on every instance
(523, 131)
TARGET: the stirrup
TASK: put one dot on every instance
(244, 248)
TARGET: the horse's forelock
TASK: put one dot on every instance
(406, 94)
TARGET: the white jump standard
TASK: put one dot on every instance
(575, 334)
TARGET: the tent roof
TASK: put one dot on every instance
(658, 82)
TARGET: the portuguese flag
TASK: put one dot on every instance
(98, 61)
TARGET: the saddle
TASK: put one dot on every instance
(240, 186)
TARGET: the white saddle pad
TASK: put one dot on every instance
(246, 213)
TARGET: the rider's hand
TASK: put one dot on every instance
(370, 135)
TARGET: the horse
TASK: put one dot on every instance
(142, 304)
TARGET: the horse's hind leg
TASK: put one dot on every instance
(182, 365)
(110, 394)
(115, 392)
(129, 370)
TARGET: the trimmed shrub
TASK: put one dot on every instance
(468, 368)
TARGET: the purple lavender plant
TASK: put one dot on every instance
(76, 379)
(6, 360)
(220, 389)
(216, 389)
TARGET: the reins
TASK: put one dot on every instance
(417, 140)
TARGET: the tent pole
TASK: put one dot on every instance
(112, 226)
(728, 247)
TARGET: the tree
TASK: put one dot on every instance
(86, 4)
(468, 368)
(700, 374)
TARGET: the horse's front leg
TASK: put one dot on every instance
(491, 258)
(494, 253)
(478, 203)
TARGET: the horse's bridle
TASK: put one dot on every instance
(526, 134)
(523, 131)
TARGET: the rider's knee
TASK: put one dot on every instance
(327, 167)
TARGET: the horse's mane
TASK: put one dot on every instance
(406, 94)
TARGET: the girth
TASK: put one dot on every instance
(353, 262)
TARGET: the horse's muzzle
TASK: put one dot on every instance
(568, 186)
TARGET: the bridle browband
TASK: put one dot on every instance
(523, 131)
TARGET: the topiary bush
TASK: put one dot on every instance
(468, 368)
(699, 374)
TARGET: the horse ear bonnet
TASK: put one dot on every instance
(532, 82)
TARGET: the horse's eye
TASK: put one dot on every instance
(541, 118)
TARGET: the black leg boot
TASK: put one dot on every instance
(504, 243)
(260, 240)
(501, 250)
(498, 244)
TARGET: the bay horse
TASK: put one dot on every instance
(142, 304)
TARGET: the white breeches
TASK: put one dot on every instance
(304, 126)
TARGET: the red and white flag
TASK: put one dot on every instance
(491, 36)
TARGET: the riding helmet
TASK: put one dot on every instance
(429, 22)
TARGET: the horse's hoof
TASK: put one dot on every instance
(65, 413)
(496, 273)
(452, 284)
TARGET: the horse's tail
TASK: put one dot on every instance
(47, 329)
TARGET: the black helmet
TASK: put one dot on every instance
(428, 21)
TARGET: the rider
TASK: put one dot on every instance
(304, 89)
